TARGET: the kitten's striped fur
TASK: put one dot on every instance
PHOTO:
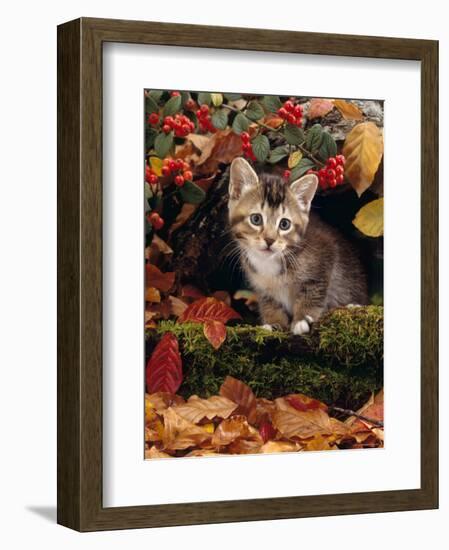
(297, 272)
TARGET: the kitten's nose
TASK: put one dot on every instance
(269, 242)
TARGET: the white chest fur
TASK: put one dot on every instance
(268, 280)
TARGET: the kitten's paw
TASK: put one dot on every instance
(301, 327)
(267, 327)
(352, 306)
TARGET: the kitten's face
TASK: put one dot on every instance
(267, 216)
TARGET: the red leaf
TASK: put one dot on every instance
(215, 332)
(267, 431)
(164, 368)
(303, 403)
(208, 309)
(319, 107)
(243, 395)
(157, 279)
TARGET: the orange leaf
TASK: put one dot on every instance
(164, 368)
(196, 409)
(180, 433)
(157, 279)
(293, 423)
(350, 111)
(215, 332)
(319, 107)
(272, 120)
(152, 295)
(301, 402)
(222, 147)
(229, 430)
(208, 309)
(240, 393)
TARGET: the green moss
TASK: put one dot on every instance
(339, 362)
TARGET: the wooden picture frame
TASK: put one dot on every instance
(80, 504)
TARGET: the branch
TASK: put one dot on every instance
(349, 412)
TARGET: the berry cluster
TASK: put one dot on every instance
(150, 175)
(291, 113)
(156, 221)
(204, 119)
(246, 146)
(180, 124)
(179, 168)
(286, 175)
(332, 174)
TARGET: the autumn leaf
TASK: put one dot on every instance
(348, 109)
(158, 251)
(280, 447)
(363, 149)
(267, 431)
(229, 430)
(156, 278)
(152, 295)
(222, 147)
(272, 120)
(302, 402)
(215, 332)
(154, 452)
(191, 291)
(160, 401)
(370, 218)
(177, 306)
(293, 423)
(319, 107)
(223, 296)
(180, 433)
(197, 409)
(240, 393)
(208, 309)
(164, 368)
(156, 165)
(294, 159)
(373, 408)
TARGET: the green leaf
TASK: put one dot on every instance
(278, 153)
(272, 103)
(254, 111)
(156, 94)
(190, 192)
(240, 124)
(328, 147)
(220, 119)
(172, 106)
(150, 136)
(261, 147)
(217, 99)
(314, 137)
(232, 97)
(301, 168)
(204, 98)
(185, 96)
(293, 134)
(163, 143)
(150, 105)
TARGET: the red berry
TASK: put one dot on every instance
(330, 174)
(339, 170)
(246, 146)
(332, 182)
(188, 175)
(172, 165)
(282, 112)
(166, 129)
(331, 162)
(291, 119)
(186, 129)
(199, 114)
(340, 179)
(166, 171)
(288, 106)
(299, 122)
(190, 104)
(179, 180)
(153, 119)
(323, 182)
(340, 159)
(204, 109)
(175, 94)
(156, 221)
(245, 137)
(153, 179)
(179, 164)
(286, 175)
(297, 111)
(322, 172)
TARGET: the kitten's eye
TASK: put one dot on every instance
(285, 224)
(255, 219)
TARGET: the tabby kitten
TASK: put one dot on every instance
(297, 265)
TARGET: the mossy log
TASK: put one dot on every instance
(340, 362)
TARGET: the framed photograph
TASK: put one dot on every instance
(247, 274)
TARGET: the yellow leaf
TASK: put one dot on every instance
(348, 110)
(152, 295)
(363, 149)
(294, 159)
(217, 99)
(370, 218)
(209, 427)
(156, 165)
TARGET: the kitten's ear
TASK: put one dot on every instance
(242, 178)
(304, 190)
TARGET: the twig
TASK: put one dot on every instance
(349, 412)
